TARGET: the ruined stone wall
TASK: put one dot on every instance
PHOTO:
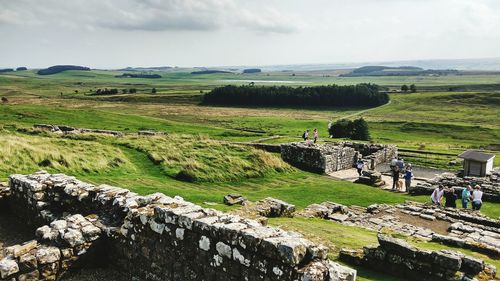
(399, 258)
(157, 237)
(329, 158)
(490, 188)
(374, 154)
(63, 129)
(63, 245)
(319, 158)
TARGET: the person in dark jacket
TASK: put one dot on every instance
(395, 177)
(450, 198)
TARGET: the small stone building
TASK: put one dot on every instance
(476, 163)
(328, 158)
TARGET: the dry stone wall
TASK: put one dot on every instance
(374, 154)
(157, 237)
(319, 158)
(329, 158)
(397, 257)
(60, 246)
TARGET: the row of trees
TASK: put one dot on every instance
(114, 91)
(352, 129)
(331, 95)
(412, 88)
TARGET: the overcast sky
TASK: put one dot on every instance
(119, 33)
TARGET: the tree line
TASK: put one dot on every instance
(331, 95)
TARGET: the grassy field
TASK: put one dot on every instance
(196, 159)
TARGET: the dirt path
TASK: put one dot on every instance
(364, 111)
(352, 175)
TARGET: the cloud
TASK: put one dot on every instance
(147, 15)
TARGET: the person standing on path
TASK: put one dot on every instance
(437, 195)
(408, 176)
(466, 195)
(359, 166)
(477, 198)
(315, 135)
(395, 177)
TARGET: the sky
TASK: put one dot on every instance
(120, 33)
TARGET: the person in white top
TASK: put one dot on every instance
(477, 198)
(437, 195)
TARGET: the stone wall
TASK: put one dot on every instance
(63, 129)
(397, 257)
(329, 158)
(465, 228)
(65, 244)
(319, 158)
(274, 148)
(374, 154)
(491, 188)
(157, 237)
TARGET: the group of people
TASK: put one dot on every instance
(398, 168)
(474, 195)
(305, 135)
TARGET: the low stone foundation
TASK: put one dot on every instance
(398, 258)
(459, 228)
(490, 188)
(63, 129)
(157, 237)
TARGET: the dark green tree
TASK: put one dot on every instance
(404, 88)
(360, 130)
(340, 128)
(413, 88)
(153, 91)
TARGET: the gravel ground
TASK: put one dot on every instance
(12, 231)
(95, 274)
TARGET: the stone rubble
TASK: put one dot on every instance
(156, 237)
(63, 129)
(371, 178)
(271, 207)
(235, 199)
(150, 133)
(467, 229)
(489, 185)
(397, 257)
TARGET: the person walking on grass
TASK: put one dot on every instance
(315, 135)
(437, 195)
(477, 198)
(359, 166)
(466, 195)
(450, 198)
(395, 177)
(408, 176)
(305, 135)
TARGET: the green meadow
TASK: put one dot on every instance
(197, 158)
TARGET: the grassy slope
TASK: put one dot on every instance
(465, 122)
